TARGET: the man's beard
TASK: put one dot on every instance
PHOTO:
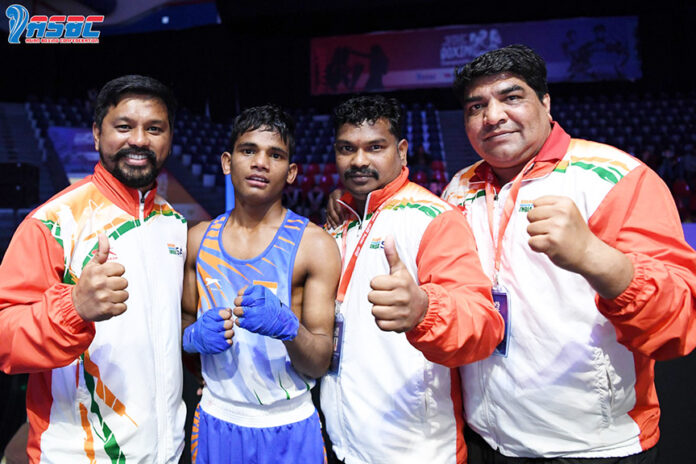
(132, 176)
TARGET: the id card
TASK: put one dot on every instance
(502, 304)
(337, 342)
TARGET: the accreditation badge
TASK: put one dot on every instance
(501, 300)
(337, 340)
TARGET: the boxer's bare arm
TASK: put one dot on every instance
(189, 298)
(315, 280)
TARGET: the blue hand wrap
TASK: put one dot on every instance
(264, 314)
(207, 334)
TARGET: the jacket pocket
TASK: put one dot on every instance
(604, 386)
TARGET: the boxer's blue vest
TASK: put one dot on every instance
(256, 369)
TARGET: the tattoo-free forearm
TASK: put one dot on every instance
(309, 352)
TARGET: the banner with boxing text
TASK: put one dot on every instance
(575, 50)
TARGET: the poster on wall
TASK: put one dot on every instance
(575, 50)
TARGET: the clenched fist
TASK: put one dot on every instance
(557, 229)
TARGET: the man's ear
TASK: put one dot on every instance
(546, 101)
(96, 133)
(292, 173)
(402, 148)
(226, 162)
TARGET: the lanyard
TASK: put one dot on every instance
(348, 273)
(505, 217)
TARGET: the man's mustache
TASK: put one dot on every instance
(352, 172)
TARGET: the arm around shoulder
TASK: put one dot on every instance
(40, 326)
(461, 324)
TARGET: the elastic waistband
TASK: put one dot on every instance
(259, 415)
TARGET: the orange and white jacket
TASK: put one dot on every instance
(108, 391)
(578, 378)
(389, 404)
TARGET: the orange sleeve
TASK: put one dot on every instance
(461, 325)
(40, 328)
(656, 314)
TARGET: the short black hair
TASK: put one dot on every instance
(515, 59)
(114, 91)
(268, 117)
(369, 109)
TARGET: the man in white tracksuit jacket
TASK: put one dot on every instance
(408, 261)
(584, 242)
(90, 292)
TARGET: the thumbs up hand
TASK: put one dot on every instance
(100, 294)
(398, 303)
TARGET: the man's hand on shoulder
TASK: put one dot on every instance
(100, 293)
(399, 304)
(334, 210)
